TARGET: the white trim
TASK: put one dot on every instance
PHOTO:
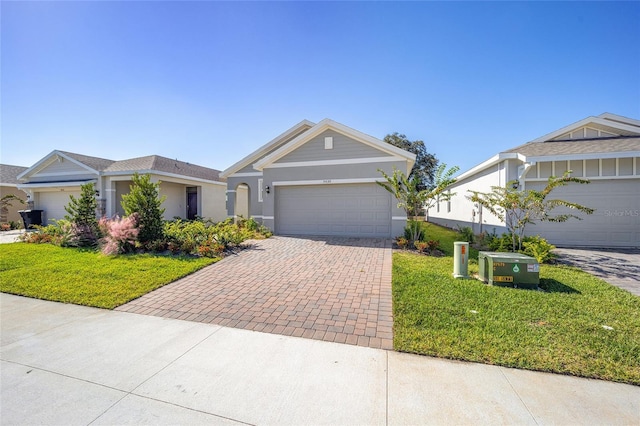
(488, 163)
(257, 216)
(302, 126)
(36, 185)
(248, 174)
(161, 173)
(328, 124)
(334, 162)
(57, 174)
(49, 159)
(268, 218)
(589, 156)
(325, 181)
(260, 190)
(609, 120)
(590, 178)
(398, 218)
(230, 190)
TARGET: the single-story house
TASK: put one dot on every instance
(319, 179)
(9, 186)
(604, 149)
(190, 190)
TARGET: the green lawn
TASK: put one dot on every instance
(558, 330)
(69, 275)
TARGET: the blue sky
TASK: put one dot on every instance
(209, 82)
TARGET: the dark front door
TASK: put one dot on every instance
(192, 205)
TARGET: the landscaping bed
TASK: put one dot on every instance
(575, 324)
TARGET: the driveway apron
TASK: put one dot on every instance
(332, 289)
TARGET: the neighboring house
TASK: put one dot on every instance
(319, 179)
(190, 190)
(9, 186)
(604, 149)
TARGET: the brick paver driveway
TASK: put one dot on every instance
(334, 289)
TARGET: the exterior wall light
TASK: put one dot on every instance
(267, 189)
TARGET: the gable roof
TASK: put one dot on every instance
(281, 139)
(106, 167)
(582, 146)
(327, 124)
(156, 163)
(626, 144)
(91, 164)
(9, 174)
(612, 123)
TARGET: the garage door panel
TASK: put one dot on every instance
(53, 204)
(348, 210)
(614, 223)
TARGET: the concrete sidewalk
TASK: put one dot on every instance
(66, 364)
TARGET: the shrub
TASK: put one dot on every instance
(144, 199)
(120, 234)
(413, 231)
(433, 245)
(539, 248)
(402, 242)
(465, 233)
(421, 246)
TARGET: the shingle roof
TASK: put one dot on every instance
(163, 164)
(576, 147)
(95, 163)
(8, 173)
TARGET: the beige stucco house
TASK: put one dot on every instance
(604, 149)
(319, 179)
(190, 190)
(9, 186)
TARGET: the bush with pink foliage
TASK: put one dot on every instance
(120, 234)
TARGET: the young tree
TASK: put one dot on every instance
(144, 199)
(518, 208)
(82, 211)
(411, 198)
(426, 164)
(5, 203)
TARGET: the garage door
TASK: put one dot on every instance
(615, 223)
(53, 204)
(361, 210)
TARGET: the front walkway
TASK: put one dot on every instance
(332, 289)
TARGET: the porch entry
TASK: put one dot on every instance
(192, 202)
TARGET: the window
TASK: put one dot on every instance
(260, 190)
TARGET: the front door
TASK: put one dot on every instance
(192, 205)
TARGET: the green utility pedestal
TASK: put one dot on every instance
(509, 269)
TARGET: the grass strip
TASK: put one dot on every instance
(561, 329)
(85, 277)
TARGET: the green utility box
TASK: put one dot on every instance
(509, 269)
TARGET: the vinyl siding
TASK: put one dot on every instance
(343, 148)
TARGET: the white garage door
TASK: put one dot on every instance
(53, 204)
(361, 210)
(615, 223)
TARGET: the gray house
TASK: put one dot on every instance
(604, 149)
(319, 179)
